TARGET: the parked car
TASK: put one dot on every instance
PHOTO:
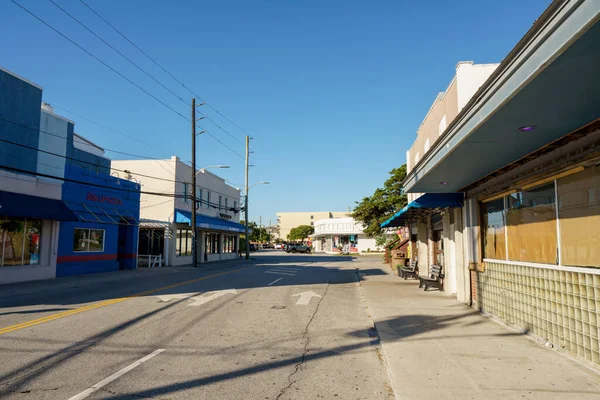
(279, 246)
(298, 248)
(253, 247)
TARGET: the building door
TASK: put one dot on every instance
(127, 246)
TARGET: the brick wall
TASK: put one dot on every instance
(474, 286)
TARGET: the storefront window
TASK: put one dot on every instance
(88, 240)
(531, 220)
(579, 216)
(183, 242)
(20, 241)
(494, 225)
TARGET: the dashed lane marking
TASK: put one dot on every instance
(115, 376)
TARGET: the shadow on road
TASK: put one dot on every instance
(73, 291)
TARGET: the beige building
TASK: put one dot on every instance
(165, 211)
(288, 220)
(511, 210)
(446, 106)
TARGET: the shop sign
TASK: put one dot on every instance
(225, 216)
(103, 199)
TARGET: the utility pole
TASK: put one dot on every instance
(194, 249)
(246, 199)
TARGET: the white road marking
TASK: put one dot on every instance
(275, 281)
(115, 376)
(279, 273)
(169, 297)
(199, 300)
(289, 271)
(305, 297)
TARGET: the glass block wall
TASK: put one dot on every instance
(560, 306)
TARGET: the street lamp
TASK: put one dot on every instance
(246, 212)
(212, 166)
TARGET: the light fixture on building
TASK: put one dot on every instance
(443, 182)
(527, 128)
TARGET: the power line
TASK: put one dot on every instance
(118, 52)
(23, 171)
(103, 126)
(170, 74)
(90, 163)
(144, 71)
(215, 205)
(99, 60)
(64, 138)
(118, 73)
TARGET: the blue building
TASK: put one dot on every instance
(61, 212)
(105, 238)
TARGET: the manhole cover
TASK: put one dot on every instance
(278, 307)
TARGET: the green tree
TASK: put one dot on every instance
(301, 232)
(374, 210)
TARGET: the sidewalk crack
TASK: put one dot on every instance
(306, 340)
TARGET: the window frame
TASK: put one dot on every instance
(24, 241)
(88, 240)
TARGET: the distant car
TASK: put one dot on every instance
(253, 247)
(279, 246)
(298, 248)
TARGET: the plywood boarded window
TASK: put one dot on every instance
(579, 216)
(494, 224)
(531, 220)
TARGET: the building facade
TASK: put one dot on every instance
(523, 155)
(166, 208)
(51, 179)
(335, 234)
(289, 220)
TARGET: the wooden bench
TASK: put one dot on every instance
(435, 278)
(412, 270)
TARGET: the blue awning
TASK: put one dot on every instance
(24, 205)
(206, 222)
(426, 204)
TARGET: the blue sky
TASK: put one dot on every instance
(332, 91)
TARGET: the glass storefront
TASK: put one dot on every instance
(20, 241)
(530, 217)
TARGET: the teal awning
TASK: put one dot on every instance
(426, 204)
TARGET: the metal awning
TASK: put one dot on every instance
(153, 223)
(103, 215)
(548, 82)
(24, 205)
(424, 205)
(206, 222)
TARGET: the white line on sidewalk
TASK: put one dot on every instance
(279, 273)
(114, 376)
(275, 281)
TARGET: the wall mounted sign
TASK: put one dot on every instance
(225, 216)
(103, 199)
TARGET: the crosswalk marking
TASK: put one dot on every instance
(279, 273)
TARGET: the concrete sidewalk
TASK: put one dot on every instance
(438, 348)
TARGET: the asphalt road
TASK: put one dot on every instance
(278, 327)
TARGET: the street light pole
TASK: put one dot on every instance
(194, 200)
(194, 249)
(246, 199)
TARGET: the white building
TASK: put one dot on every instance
(334, 233)
(165, 215)
(287, 221)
